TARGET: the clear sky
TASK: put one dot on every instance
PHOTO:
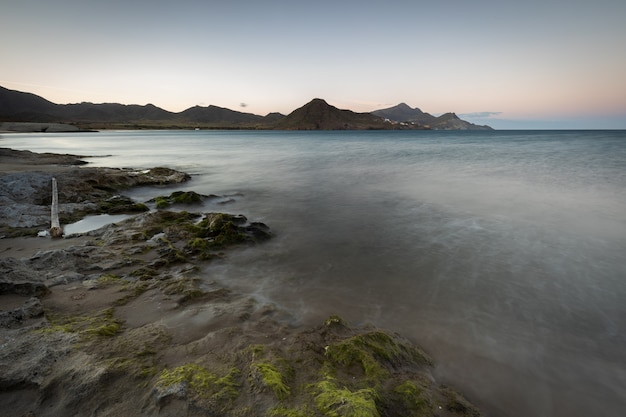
(509, 64)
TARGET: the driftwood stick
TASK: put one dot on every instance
(55, 229)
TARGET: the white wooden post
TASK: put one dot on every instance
(55, 229)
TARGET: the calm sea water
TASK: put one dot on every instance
(502, 253)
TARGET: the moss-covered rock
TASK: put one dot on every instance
(269, 376)
(186, 197)
(333, 370)
(202, 385)
(198, 236)
(120, 204)
(178, 197)
(102, 323)
(374, 353)
(336, 401)
(162, 202)
(413, 396)
(330, 371)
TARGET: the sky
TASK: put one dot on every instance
(530, 64)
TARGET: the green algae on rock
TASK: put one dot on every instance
(179, 197)
(202, 234)
(373, 352)
(269, 376)
(102, 323)
(334, 401)
(186, 197)
(201, 385)
(297, 377)
(118, 204)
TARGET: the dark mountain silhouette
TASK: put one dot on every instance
(112, 112)
(403, 113)
(217, 115)
(17, 106)
(448, 121)
(319, 115)
(273, 117)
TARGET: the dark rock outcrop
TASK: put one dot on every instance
(25, 198)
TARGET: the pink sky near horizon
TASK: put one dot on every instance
(526, 64)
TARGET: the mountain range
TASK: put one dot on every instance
(447, 121)
(17, 106)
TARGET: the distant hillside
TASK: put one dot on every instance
(403, 113)
(448, 121)
(17, 106)
(112, 113)
(319, 115)
(214, 115)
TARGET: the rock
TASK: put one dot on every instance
(32, 308)
(25, 197)
(164, 394)
(27, 357)
(258, 231)
(120, 204)
(24, 288)
(64, 279)
(180, 197)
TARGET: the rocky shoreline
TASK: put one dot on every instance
(123, 321)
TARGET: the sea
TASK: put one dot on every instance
(501, 253)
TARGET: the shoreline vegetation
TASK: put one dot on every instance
(122, 320)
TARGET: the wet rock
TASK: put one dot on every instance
(32, 308)
(164, 394)
(27, 357)
(259, 231)
(23, 288)
(25, 197)
(180, 197)
(31, 187)
(65, 278)
(75, 383)
(120, 204)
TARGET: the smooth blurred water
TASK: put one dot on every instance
(502, 253)
(90, 223)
